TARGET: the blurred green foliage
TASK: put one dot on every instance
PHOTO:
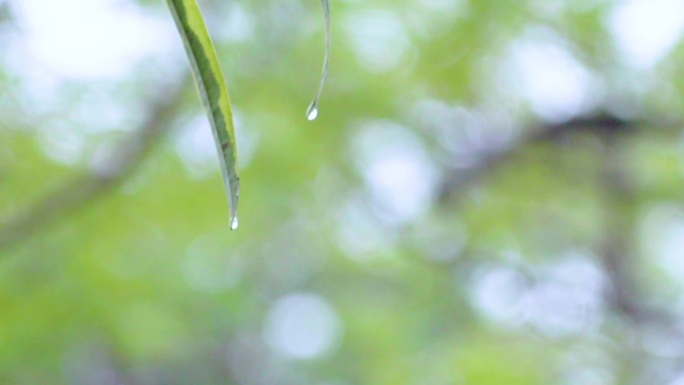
(491, 194)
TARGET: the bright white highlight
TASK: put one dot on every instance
(557, 85)
(379, 40)
(399, 174)
(646, 30)
(89, 39)
(302, 326)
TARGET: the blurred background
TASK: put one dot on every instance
(492, 194)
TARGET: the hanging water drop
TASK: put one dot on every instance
(234, 223)
(312, 111)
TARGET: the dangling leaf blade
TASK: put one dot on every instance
(213, 92)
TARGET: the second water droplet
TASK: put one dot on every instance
(312, 111)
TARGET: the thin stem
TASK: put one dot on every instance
(312, 111)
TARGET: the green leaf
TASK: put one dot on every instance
(212, 89)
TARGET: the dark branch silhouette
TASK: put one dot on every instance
(623, 294)
(604, 126)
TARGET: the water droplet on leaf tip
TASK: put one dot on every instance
(312, 111)
(234, 223)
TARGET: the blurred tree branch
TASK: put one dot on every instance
(604, 125)
(95, 184)
(614, 251)
(623, 294)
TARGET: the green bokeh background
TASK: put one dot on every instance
(420, 231)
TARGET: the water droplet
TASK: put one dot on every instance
(234, 223)
(312, 111)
